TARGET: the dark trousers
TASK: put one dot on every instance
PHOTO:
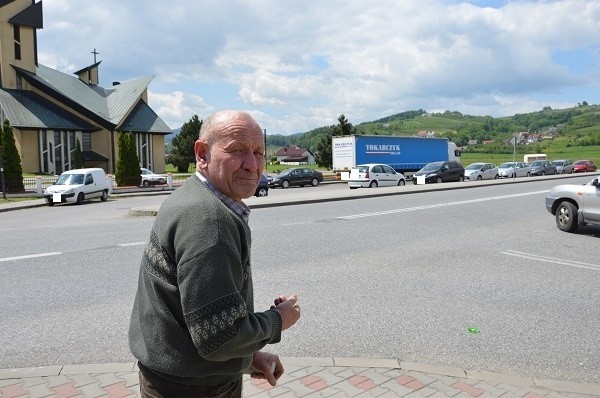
(154, 386)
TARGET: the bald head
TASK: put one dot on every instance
(230, 153)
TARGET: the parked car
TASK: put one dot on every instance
(542, 168)
(563, 166)
(575, 205)
(441, 172)
(263, 187)
(583, 166)
(299, 176)
(514, 169)
(481, 171)
(150, 178)
(77, 186)
(373, 175)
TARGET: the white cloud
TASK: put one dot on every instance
(299, 65)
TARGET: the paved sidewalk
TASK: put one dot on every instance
(304, 377)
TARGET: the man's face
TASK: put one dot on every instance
(234, 161)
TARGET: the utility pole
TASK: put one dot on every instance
(265, 135)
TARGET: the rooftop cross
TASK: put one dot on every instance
(95, 53)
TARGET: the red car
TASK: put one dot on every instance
(583, 166)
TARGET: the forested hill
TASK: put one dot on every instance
(571, 126)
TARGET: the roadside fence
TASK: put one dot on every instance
(35, 186)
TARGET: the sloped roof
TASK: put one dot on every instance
(291, 151)
(27, 109)
(31, 16)
(107, 106)
(144, 119)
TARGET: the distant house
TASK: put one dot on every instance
(294, 155)
(425, 134)
(50, 111)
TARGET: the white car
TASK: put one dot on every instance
(481, 171)
(574, 206)
(151, 178)
(514, 169)
(77, 186)
(373, 175)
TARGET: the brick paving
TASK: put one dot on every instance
(304, 377)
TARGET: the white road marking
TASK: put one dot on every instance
(30, 256)
(462, 202)
(537, 257)
(131, 244)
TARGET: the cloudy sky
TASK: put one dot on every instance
(297, 65)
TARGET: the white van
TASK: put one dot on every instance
(76, 186)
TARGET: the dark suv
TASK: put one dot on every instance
(441, 172)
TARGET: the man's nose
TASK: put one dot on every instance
(250, 162)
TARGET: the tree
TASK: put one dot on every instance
(182, 146)
(77, 155)
(324, 157)
(128, 166)
(11, 161)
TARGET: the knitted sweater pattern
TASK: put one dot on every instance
(193, 319)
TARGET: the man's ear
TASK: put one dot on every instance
(201, 151)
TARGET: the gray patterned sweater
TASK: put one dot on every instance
(193, 318)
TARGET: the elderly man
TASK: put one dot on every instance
(193, 328)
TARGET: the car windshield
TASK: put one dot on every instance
(506, 165)
(362, 168)
(70, 179)
(580, 162)
(474, 166)
(537, 163)
(432, 166)
(558, 162)
(286, 172)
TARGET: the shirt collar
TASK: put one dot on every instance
(238, 208)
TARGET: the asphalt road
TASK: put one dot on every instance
(400, 276)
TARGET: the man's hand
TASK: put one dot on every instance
(289, 310)
(266, 366)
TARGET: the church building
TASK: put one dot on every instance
(50, 110)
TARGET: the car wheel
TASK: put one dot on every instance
(543, 173)
(104, 196)
(528, 174)
(50, 202)
(373, 184)
(566, 217)
(285, 184)
(479, 178)
(262, 192)
(461, 179)
(80, 198)
(439, 180)
(401, 183)
(314, 182)
(145, 184)
(496, 177)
